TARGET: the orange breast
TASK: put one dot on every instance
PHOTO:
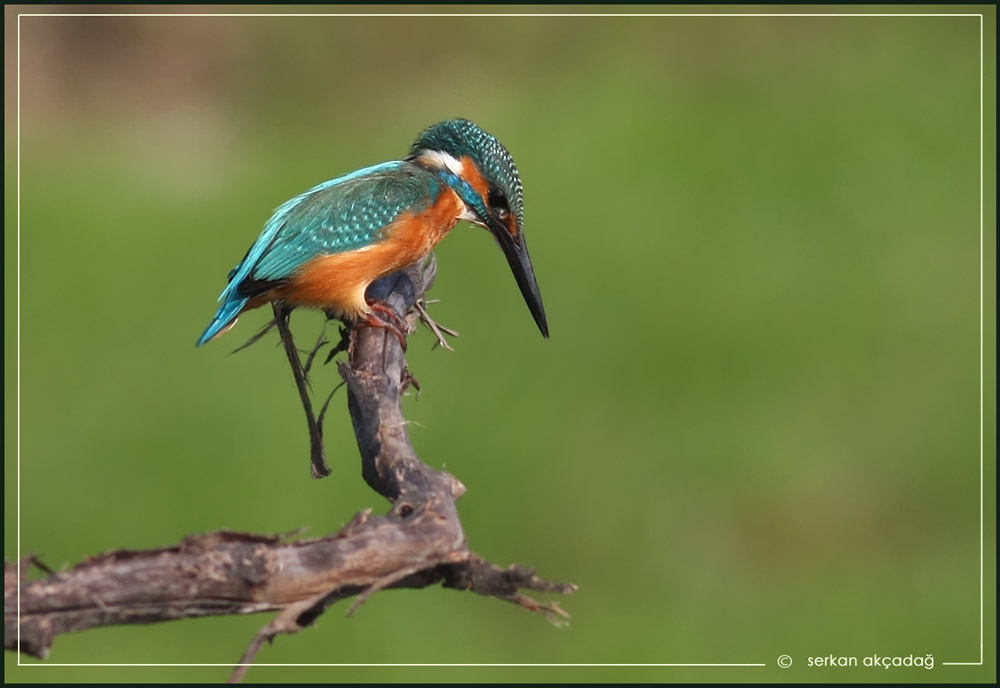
(338, 281)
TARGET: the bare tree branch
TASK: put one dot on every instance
(419, 542)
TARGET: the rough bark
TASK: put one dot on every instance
(419, 542)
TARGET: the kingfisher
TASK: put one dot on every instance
(324, 247)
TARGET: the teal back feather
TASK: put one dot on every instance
(345, 217)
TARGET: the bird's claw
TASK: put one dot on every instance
(390, 320)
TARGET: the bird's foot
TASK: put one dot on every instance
(438, 329)
(388, 320)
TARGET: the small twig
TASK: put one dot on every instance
(285, 622)
(33, 560)
(381, 584)
(550, 610)
(326, 404)
(320, 343)
(439, 330)
(410, 380)
(256, 338)
(318, 461)
(342, 346)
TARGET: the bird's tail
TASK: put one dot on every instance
(225, 317)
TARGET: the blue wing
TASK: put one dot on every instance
(343, 214)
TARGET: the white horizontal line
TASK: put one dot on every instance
(362, 664)
(311, 14)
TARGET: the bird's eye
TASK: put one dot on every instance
(498, 200)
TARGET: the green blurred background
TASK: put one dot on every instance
(754, 432)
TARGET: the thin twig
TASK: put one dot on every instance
(317, 460)
(381, 584)
(285, 622)
(256, 338)
(320, 343)
(438, 329)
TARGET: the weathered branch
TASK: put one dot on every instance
(419, 542)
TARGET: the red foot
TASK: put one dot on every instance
(390, 320)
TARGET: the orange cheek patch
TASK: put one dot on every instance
(471, 174)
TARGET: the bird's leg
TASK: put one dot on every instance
(439, 330)
(390, 320)
(281, 317)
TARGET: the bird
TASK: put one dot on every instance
(324, 247)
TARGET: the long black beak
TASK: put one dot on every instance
(516, 252)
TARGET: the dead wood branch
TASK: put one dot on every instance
(419, 542)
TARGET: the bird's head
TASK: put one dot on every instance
(482, 172)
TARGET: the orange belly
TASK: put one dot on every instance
(338, 281)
